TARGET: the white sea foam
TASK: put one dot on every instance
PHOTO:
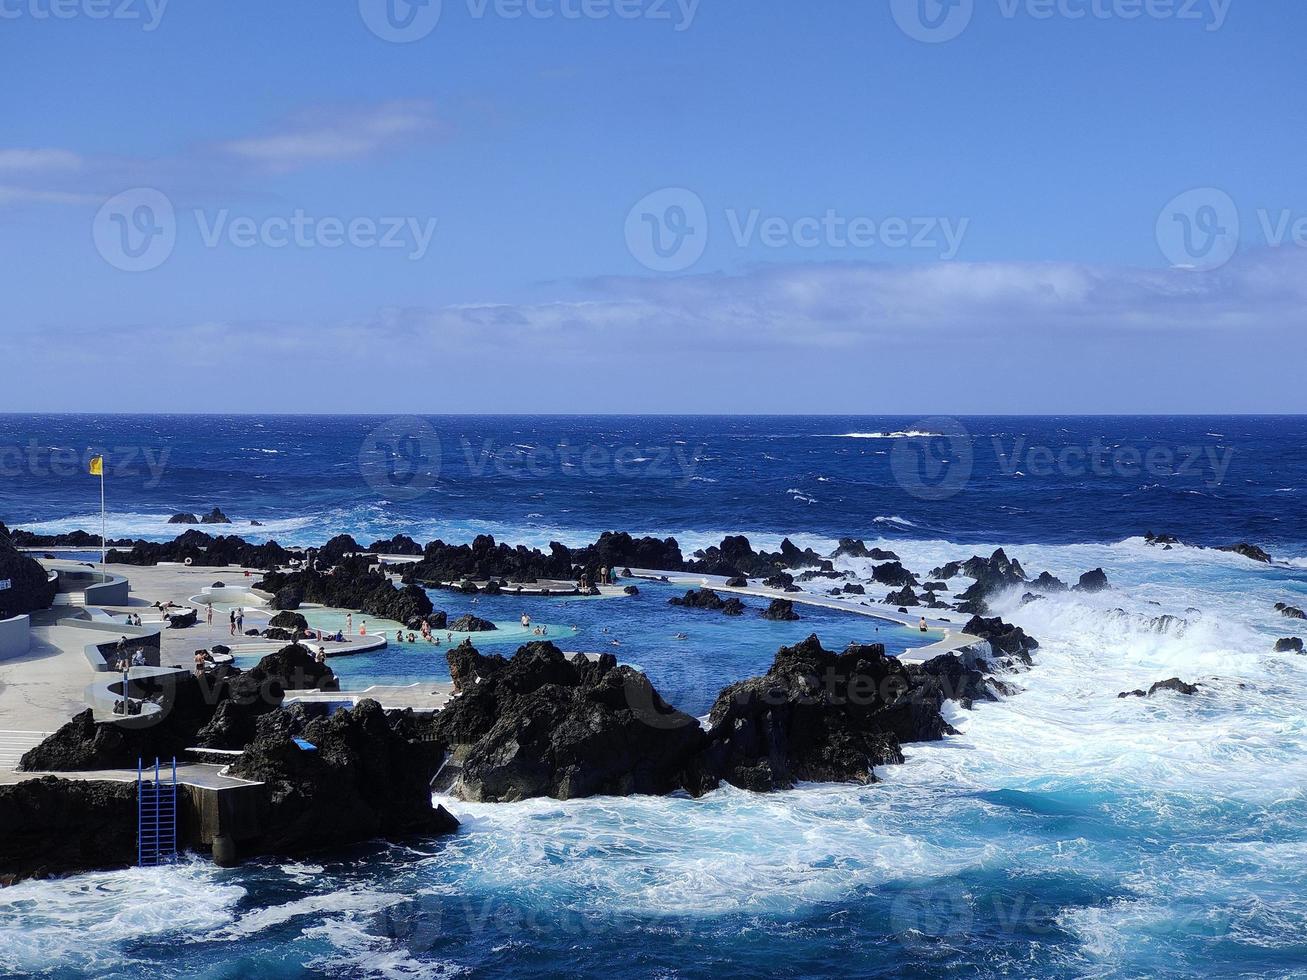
(1171, 804)
(82, 923)
(909, 434)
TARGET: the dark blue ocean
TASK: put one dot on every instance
(1062, 832)
(1047, 480)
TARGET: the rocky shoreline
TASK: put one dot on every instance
(536, 724)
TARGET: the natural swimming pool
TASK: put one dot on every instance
(639, 630)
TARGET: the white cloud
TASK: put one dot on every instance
(38, 160)
(341, 134)
(10, 195)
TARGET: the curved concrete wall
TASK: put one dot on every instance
(101, 588)
(15, 637)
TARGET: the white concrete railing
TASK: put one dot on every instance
(15, 637)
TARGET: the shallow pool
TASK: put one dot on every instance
(640, 630)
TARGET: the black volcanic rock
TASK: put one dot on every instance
(1249, 551)
(368, 775)
(1094, 581)
(856, 548)
(190, 705)
(1165, 540)
(338, 548)
(893, 573)
(400, 544)
(1292, 612)
(617, 549)
(29, 587)
(289, 621)
(67, 539)
(780, 609)
(55, 826)
(815, 716)
(708, 599)
(198, 548)
(735, 556)
(183, 519)
(1003, 638)
(539, 724)
(1046, 582)
(903, 597)
(1174, 684)
(471, 624)
(853, 588)
(952, 570)
(993, 575)
(1289, 644)
(950, 677)
(484, 559)
(215, 516)
(781, 580)
(738, 582)
(353, 584)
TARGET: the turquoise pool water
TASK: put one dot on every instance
(639, 630)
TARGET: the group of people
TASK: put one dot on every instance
(425, 633)
(606, 576)
(126, 658)
(237, 619)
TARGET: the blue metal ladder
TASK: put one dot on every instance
(156, 815)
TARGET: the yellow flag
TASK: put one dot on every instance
(97, 466)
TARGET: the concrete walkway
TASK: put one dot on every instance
(430, 696)
(199, 774)
(947, 636)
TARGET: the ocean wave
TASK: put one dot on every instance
(894, 519)
(908, 434)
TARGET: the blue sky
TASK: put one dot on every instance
(849, 218)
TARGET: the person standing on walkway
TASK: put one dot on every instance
(209, 615)
(240, 620)
(232, 617)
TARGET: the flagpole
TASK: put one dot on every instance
(103, 556)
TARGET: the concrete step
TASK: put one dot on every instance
(14, 744)
(70, 599)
